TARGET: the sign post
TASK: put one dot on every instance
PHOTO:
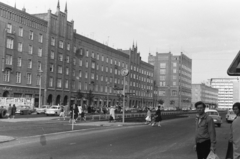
(124, 73)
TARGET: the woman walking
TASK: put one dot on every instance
(148, 117)
(9, 112)
(235, 132)
(14, 109)
(158, 117)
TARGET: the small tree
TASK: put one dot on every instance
(79, 96)
(90, 97)
(160, 101)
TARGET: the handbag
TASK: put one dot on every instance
(212, 155)
(148, 118)
(229, 154)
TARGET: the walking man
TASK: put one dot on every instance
(205, 138)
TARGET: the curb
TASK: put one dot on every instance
(8, 140)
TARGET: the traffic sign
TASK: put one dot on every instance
(234, 69)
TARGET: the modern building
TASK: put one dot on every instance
(42, 54)
(228, 91)
(173, 78)
(206, 94)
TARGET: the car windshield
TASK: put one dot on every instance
(53, 107)
(212, 113)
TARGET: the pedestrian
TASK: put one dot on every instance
(81, 113)
(71, 111)
(9, 111)
(158, 117)
(235, 132)
(112, 114)
(14, 109)
(205, 139)
(75, 113)
(62, 113)
(148, 116)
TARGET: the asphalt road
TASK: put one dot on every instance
(174, 140)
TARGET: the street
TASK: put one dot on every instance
(175, 139)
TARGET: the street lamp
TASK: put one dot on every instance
(40, 81)
(107, 92)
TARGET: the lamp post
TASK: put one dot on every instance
(40, 81)
(124, 73)
(107, 93)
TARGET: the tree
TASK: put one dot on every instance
(90, 97)
(160, 101)
(79, 96)
(172, 102)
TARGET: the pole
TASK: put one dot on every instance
(123, 99)
(73, 117)
(107, 94)
(40, 81)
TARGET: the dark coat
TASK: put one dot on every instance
(158, 116)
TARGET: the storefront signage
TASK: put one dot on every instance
(7, 89)
(5, 101)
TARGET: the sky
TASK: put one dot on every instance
(207, 31)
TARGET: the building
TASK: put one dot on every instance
(206, 94)
(44, 56)
(173, 78)
(228, 91)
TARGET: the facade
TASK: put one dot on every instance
(44, 52)
(228, 91)
(173, 78)
(206, 94)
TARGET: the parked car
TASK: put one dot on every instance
(217, 119)
(53, 110)
(230, 116)
(42, 109)
(3, 111)
(24, 110)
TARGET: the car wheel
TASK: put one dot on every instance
(46, 114)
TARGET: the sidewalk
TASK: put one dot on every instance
(15, 120)
(6, 139)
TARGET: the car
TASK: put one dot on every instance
(24, 110)
(230, 116)
(217, 119)
(3, 111)
(42, 109)
(53, 110)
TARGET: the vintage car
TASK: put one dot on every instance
(230, 116)
(24, 110)
(53, 110)
(217, 119)
(42, 109)
(3, 111)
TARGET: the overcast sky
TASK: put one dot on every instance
(208, 31)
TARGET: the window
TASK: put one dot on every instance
(80, 85)
(102, 68)
(60, 57)
(19, 47)
(174, 93)
(61, 44)
(74, 61)
(110, 70)
(29, 63)
(30, 49)
(111, 61)
(86, 64)
(174, 70)
(40, 38)
(60, 69)
(80, 62)
(162, 71)
(116, 71)
(86, 75)
(18, 76)
(87, 53)
(174, 83)
(67, 59)
(19, 62)
(6, 76)
(73, 73)
(29, 78)
(80, 73)
(66, 84)
(174, 64)
(20, 31)
(59, 83)
(39, 65)
(51, 67)
(107, 59)
(40, 52)
(102, 58)
(9, 28)
(9, 59)
(162, 78)
(92, 76)
(119, 63)
(92, 54)
(162, 65)
(31, 35)
(50, 82)
(174, 77)
(52, 55)
(93, 65)
(97, 66)
(106, 69)
(74, 49)
(96, 77)
(97, 57)
(9, 43)
(68, 46)
(101, 78)
(53, 41)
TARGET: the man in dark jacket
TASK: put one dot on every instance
(158, 117)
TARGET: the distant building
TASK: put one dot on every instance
(206, 94)
(228, 91)
(173, 78)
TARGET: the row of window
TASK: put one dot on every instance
(139, 70)
(143, 79)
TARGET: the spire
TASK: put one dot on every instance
(133, 43)
(66, 7)
(58, 5)
(15, 5)
(136, 45)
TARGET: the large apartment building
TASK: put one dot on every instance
(206, 94)
(228, 91)
(173, 78)
(44, 52)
